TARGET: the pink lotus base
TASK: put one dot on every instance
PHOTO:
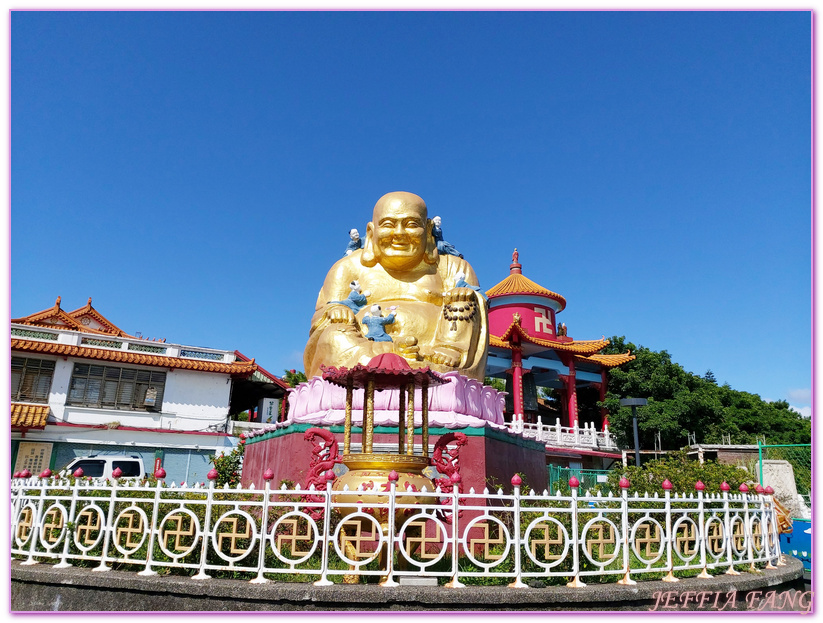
(459, 403)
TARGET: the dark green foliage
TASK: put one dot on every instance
(228, 466)
(682, 472)
(681, 403)
(294, 377)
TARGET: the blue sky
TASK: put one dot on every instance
(197, 173)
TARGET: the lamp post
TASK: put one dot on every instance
(634, 403)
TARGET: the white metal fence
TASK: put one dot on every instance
(461, 537)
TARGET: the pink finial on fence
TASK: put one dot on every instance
(517, 480)
(116, 473)
(699, 486)
(160, 473)
(667, 485)
(46, 473)
(624, 483)
(213, 474)
(759, 489)
(744, 488)
(393, 476)
(330, 475)
(574, 482)
(769, 490)
(724, 486)
(78, 473)
(455, 478)
(268, 474)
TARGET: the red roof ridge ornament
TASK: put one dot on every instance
(515, 268)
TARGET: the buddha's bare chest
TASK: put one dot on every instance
(384, 287)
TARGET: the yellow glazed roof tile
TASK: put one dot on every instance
(29, 416)
(242, 368)
(516, 283)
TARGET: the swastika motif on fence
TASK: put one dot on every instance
(757, 536)
(715, 538)
(686, 539)
(603, 535)
(546, 542)
(416, 537)
(644, 537)
(353, 537)
(488, 540)
(131, 530)
(89, 524)
(52, 523)
(295, 537)
(232, 536)
(25, 524)
(179, 531)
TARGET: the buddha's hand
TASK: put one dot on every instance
(340, 314)
(406, 346)
(458, 295)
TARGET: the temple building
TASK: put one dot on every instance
(529, 348)
(82, 386)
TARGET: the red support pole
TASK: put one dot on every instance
(604, 380)
(517, 383)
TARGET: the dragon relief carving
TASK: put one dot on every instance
(446, 460)
(324, 456)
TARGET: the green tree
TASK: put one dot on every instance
(294, 377)
(680, 403)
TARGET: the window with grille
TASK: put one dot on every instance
(116, 388)
(31, 379)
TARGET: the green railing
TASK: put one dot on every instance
(799, 455)
(589, 478)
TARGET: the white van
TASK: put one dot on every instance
(102, 466)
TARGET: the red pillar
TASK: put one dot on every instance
(517, 382)
(604, 413)
(570, 381)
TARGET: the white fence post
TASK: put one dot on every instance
(325, 541)
(152, 531)
(518, 567)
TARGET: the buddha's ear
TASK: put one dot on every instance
(367, 257)
(431, 255)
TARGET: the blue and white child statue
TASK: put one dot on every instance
(462, 283)
(443, 247)
(356, 300)
(355, 243)
(376, 323)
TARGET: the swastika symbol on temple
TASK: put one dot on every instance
(542, 324)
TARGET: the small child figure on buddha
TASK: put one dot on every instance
(355, 301)
(443, 247)
(376, 323)
(355, 243)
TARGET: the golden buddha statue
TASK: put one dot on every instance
(436, 323)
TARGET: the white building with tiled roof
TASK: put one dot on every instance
(81, 386)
